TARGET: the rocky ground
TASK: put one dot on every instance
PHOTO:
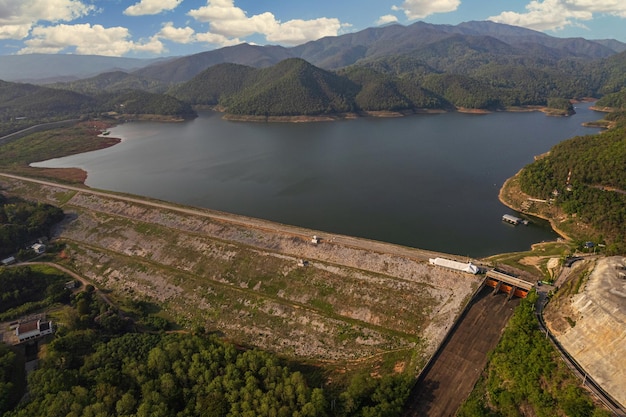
(355, 299)
(589, 317)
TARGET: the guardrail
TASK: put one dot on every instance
(614, 406)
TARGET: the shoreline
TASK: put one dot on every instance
(513, 206)
(378, 114)
(80, 176)
(325, 117)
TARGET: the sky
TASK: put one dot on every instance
(155, 28)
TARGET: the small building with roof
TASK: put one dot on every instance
(39, 248)
(33, 329)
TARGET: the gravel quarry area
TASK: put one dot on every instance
(591, 324)
(258, 283)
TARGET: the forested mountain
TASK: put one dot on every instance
(616, 46)
(209, 86)
(135, 102)
(292, 87)
(295, 87)
(384, 42)
(25, 105)
(327, 53)
(112, 81)
(184, 68)
(475, 65)
(36, 102)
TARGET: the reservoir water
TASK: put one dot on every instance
(426, 181)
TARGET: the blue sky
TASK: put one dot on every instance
(152, 28)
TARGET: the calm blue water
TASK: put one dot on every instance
(427, 181)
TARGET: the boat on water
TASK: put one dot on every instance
(514, 220)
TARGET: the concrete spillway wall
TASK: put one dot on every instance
(597, 340)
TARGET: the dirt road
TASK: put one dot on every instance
(358, 243)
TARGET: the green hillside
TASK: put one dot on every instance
(112, 82)
(141, 102)
(292, 87)
(596, 193)
(32, 101)
(209, 86)
(26, 105)
(614, 100)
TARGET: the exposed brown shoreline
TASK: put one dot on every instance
(325, 117)
(383, 114)
(509, 188)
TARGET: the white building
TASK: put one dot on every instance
(33, 330)
(39, 248)
(469, 267)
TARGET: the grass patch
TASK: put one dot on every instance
(53, 144)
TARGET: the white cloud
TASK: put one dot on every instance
(146, 7)
(230, 21)
(179, 35)
(388, 18)
(87, 39)
(215, 39)
(17, 17)
(14, 31)
(295, 32)
(419, 9)
(557, 14)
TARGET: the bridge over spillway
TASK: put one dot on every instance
(509, 284)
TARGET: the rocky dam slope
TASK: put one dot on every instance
(259, 283)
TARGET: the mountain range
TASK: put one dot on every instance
(327, 53)
(477, 65)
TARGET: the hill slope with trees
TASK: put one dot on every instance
(473, 65)
(596, 192)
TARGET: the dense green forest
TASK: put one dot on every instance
(8, 374)
(294, 87)
(136, 102)
(451, 73)
(21, 222)
(25, 105)
(525, 376)
(614, 100)
(596, 193)
(24, 289)
(96, 365)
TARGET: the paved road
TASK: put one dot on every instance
(37, 128)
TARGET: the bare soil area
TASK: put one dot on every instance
(589, 319)
(355, 299)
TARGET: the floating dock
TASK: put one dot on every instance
(514, 220)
